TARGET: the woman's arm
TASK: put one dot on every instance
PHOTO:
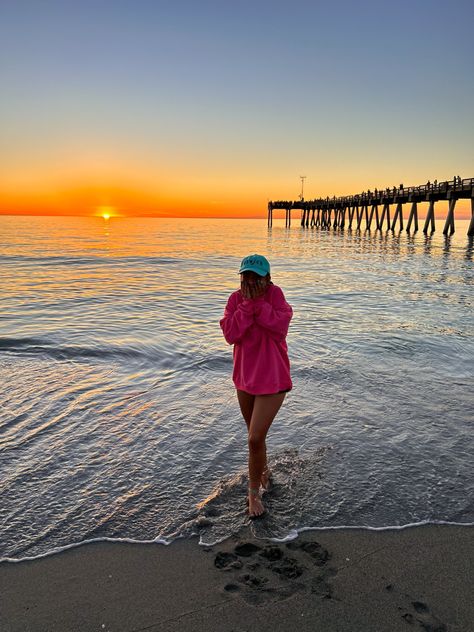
(237, 319)
(274, 317)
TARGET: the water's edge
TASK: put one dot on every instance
(291, 536)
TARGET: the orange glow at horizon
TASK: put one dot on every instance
(247, 200)
(118, 201)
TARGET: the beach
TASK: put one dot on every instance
(112, 433)
(205, 280)
(417, 578)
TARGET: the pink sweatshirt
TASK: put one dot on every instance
(257, 328)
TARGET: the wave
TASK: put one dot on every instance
(75, 545)
(165, 358)
(45, 347)
(51, 260)
(292, 535)
(222, 513)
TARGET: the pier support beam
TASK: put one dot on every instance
(354, 209)
(470, 230)
(303, 217)
(374, 209)
(343, 216)
(369, 221)
(398, 216)
(270, 216)
(307, 218)
(324, 223)
(430, 218)
(413, 216)
(449, 225)
(385, 213)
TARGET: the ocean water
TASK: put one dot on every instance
(118, 416)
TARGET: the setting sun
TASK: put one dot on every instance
(106, 212)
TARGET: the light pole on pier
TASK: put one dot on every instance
(302, 187)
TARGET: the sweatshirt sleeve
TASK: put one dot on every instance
(274, 317)
(237, 319)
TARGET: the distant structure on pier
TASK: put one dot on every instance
(338, 212)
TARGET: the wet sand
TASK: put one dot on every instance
(419, 578)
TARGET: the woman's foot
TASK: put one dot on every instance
(265, 480)
(256, 507)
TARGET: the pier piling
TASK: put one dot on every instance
(449, 225)
(354, 209)
(430, 218)
(470, 230)
(413, 217)
(369, 222)
(398, 217)
(385, 214)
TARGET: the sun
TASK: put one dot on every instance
(106, 212)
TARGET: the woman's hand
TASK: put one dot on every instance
(255, 289)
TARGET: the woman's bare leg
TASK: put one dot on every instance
(265, 409)
(246, 403)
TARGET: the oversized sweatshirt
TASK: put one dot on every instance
(257, 328)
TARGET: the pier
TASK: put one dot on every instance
(376, 207)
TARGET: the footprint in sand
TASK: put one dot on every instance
(276, 572)
(227, 561)
(418, 614)
(424, 618)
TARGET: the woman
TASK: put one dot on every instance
(256, 321)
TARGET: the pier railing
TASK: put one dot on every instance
(337, 212)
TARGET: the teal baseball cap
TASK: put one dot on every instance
(255, 263)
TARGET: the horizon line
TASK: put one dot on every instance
(133, 216)
(262, 217)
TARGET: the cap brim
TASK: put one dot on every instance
(252, 270)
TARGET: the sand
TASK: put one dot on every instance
(419, 578)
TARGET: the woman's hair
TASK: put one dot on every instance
(246, 274)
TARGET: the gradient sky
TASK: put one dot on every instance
(212, 108)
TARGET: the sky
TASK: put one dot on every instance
(150, 107)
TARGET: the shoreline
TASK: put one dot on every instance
(352, 579)
(289, 538)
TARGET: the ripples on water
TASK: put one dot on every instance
(118, 416)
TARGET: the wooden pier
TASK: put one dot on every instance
(375, 206)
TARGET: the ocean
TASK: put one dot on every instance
(118, 415)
